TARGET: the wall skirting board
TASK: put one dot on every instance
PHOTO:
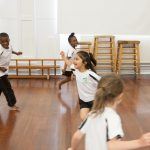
(145, 68)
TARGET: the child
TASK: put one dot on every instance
(5, 58)
(86, 79)
(70, 55)
(102, 128)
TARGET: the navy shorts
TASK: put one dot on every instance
(85, 104)
(67, 73)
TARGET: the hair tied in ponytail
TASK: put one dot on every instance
(72, 34)
(103, 88)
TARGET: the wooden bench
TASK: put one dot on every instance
(32, 64)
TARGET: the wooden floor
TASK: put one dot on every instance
(47, 119)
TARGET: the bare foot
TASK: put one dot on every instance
(14, 108)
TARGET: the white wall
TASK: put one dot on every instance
(26, 20)
(47, 39)
(9, 20)
(32, 26)
(104, 16)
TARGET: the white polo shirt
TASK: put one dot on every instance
(86, 84)
(71, 54)
(97, 129)
(5, 58)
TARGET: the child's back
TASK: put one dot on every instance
(103, 125)
(98, 129)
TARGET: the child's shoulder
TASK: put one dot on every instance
(94, 75)
(90, 71)
(110, 113)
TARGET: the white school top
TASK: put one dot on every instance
(71, 55)
(98, 128)
(5, 58)
(86, 84)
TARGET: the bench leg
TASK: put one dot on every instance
(48, 72)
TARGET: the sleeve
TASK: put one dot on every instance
(69, 54)
(114, 127)
(95, 76)
(84, 126)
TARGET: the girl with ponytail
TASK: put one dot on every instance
(66, 71)
(73, 42)
(86, 79)
(102, 128)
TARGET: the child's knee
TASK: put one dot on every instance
(83, 113)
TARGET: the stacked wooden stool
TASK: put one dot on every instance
(128, 57)
(104, 52)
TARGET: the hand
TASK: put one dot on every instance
(19, 53)
(145, 140)
(62, 54)
(69, 148)
(3, 69)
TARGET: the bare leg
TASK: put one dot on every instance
(84, 112)
(60, 83)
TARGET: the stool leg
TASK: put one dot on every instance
(48, 72)
(135, 59)
(117, 59)
(113, 63)
(120, 57)
(138, 59)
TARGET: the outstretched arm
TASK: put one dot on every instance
(76, 139)
(17, 53)
(143, 141)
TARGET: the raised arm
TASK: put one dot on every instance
(67, 61)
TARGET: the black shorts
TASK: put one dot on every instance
(67, 73)
(85, 104)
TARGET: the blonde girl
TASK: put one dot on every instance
(102, 128)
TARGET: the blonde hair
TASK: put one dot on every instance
(109, 87)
